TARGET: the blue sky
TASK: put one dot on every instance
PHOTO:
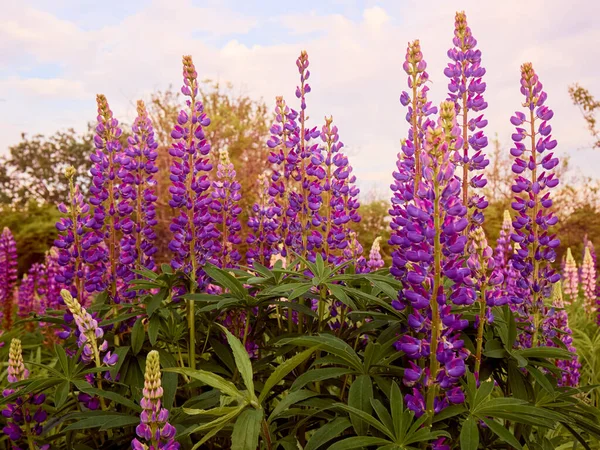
(57, 54)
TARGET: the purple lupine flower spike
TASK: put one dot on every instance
(154, 431)
(29, 292)
(8, 277)
(100, 246)
(534, 243)
(264, 223)
(71, 237)
(223, 246)
(137, 199)
(409, 172)
(466, 90)
(25, 416)
(430, 232)
(570, 278)
(340, 195)
(189, 177)
(556, 325)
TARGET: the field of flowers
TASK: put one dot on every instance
(291, 335)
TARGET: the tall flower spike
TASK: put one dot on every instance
(264, 223)
(29, 293)
(556, 325)
(534, 243)
(8, 277)
(191, 225)
(71, 236)
(223, 247)
(90, 334)
(101, 246)
(432, 241)
(137, 199)
(466, 90)
(588, 281)
(409, 172)
(571, 277)
(339, 193)
(282, 143)
(154, 429)
(189, 177)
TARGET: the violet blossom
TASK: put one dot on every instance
(8, 277)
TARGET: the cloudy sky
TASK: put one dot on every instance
(57, 54)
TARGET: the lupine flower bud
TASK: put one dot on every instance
(22, 424)
(571, 277)
(375, 261)
(588, 281)
(154, 430)
(8, 277)
(90, 334)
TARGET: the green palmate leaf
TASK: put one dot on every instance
(359, 442)
(226, 280)
(502, 433)
(327, 432)
(104, 422)
(544, 352)
(215, 426)
(246, 430)
(242, 360)
(397, 406)
(61, 394)
(290, 399)
(330, 344)
(542, 380)
(299, 291)
(121, 352)
(383, 414)
(155, 301)
(359, 397)
(469, 434)
(226, 387)
(315, 375)
(153, 328)
(283, 370)
(366, 417)
(482, 393)
(218, 411)
(63, 361)
(137, 336)
(84, 386)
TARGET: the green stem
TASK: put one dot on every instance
(434, 364)
(482, 321)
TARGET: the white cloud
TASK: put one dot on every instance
(356, 65)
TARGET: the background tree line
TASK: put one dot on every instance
(32, 181)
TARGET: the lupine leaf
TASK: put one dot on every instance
(327, 432)
(469, 435)
(246, 430)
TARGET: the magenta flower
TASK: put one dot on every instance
(263, 223)
(375, 261)
(29, 291)
(8, 277)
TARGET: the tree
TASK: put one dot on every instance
(588, 106)
(34, 168)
